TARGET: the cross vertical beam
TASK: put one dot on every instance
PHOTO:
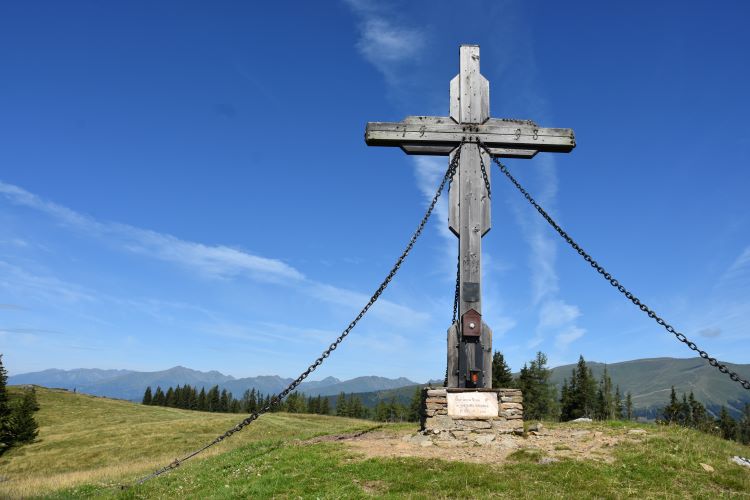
(470, 220)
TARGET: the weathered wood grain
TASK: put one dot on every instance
(453, 344)
(449, 135)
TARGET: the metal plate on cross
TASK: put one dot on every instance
(471, 323)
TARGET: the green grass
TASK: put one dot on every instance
(88, 439)
(267, 460)
(667, 467)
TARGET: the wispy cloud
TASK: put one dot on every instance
(429, 171)
(738, 273)
(571, 334)
(384, 43)
(556, 313)
(45, 288)
(12, 307)
(216, 261)
(29, 330)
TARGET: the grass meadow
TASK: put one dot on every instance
(89, 446)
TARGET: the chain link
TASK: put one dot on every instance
(484, 170)
(458, 281)
(455, 301)
(612, 281)
(275, 400)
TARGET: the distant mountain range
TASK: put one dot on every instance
(128, 384)
(648, 380)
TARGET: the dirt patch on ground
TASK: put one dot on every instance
(550, 445)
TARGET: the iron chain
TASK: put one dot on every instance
(458, 281)
(615, 283)
(484, 170)
(275, 400)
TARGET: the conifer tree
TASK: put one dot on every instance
(743, 433)
(245, 402)
(176, 396)
(356, 410)
(169, 398)
(192, 399)
(698, 414)
(727, 425)
(224, 401)
(381, 411)
(600, 411)
(23, 424)
(235, 406)
(325, 407)
(415, 406)
(313, 404)
(501, 374)
(629, 406)
(252, 404)
(342, 409)
(319, 405)
(213, 399)
(671, 412)
(6, 433)
(605, 399)
(539, 396)
(147, 397)
(159, 398)
(618, 403)
(581, 397)
(202, 404)
(395, 411)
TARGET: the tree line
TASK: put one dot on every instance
(17, 422)
(188, 397)
(215, 400)
(581, 396)
(689, 412)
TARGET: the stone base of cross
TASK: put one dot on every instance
(469, 124)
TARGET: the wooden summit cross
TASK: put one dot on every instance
(469, 339)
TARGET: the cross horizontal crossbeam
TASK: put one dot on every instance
(434, 135)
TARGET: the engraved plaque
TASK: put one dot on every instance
(472, 404)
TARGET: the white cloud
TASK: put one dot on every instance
(383, 43)
(429, 171)
(558, 318)
(562, 340)
(556, 313)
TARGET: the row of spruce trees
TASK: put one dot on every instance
(689, 412)
(216, 400)
(17, 422)
(581, 396)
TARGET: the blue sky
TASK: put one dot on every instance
(185, 183)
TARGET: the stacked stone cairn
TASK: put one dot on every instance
(439, 424)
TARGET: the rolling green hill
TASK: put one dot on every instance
(89, 446)
(86, 438)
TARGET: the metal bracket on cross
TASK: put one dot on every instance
(470, 347)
